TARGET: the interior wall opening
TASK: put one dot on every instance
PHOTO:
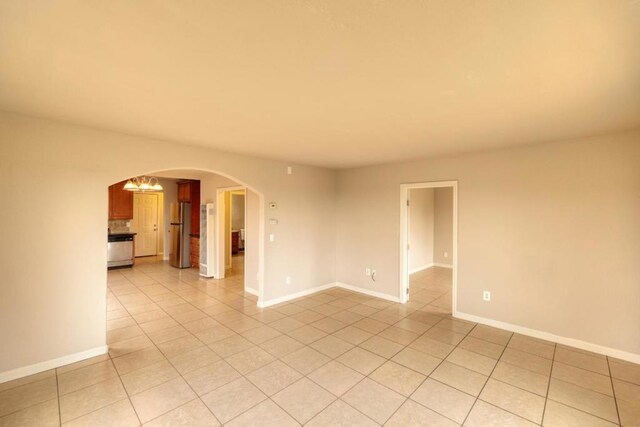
(428, 249)
(175, 229)
(430, 214)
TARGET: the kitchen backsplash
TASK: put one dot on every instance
(119, 226)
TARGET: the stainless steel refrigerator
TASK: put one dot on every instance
(180, 239)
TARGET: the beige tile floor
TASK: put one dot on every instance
(187, 351)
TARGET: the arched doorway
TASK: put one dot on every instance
(211, 183)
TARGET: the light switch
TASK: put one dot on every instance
(272, 237)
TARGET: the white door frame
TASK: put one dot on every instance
(404, 237)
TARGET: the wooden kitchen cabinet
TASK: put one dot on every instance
(189, 191)
(195, 252)
(184, 191)
(235, 242)
(120, 202)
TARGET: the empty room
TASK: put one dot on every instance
(320, 213)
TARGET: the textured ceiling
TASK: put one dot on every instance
(337, 83)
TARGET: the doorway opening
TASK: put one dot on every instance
(428, 244)
(232, 230)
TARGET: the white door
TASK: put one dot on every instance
(145, 223)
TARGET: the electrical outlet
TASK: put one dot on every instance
(367, 271)
(288, 280)
(446, 254)
(289, 170)
(486, 295)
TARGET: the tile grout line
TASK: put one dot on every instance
(546, 397)
(488, 378)
(58, 397)
(613, 389)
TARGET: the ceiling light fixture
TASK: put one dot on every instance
(143, 183)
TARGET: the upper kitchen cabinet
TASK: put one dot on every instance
(189, 191)
(184, 191)
(120, 202)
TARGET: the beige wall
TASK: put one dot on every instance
(421, 228)
(552, 230)
(53, 256)
(443, 226)
(251, 242)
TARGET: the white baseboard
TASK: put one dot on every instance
(25, 371)
(572, 342)
(380, 295)
(251, 291)
(289, 297)
(422, 267)
(321, 288)
(439, 264)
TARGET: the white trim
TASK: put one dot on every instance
(321, 288)
(251, 291)
(422, 267)
(404, 238)
(439, 264)
(36, 368)
(380, 295)
(295, 295)
(572, 342)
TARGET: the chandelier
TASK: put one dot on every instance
(143, 183)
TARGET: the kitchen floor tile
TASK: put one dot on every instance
(559, 415)
(335, 377)
(231, 400)
(374, 399)
(273, 377)
(398, 378)
(517, 401)
(341, 414)
(412, 414)
(194, 413)
(303, 399)
(459, 378)
(161, 399)
(485, 415)
(266, 413)
(444, 400)
(89, 399)
(211, 377)
(361, 360)
(586, 400)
